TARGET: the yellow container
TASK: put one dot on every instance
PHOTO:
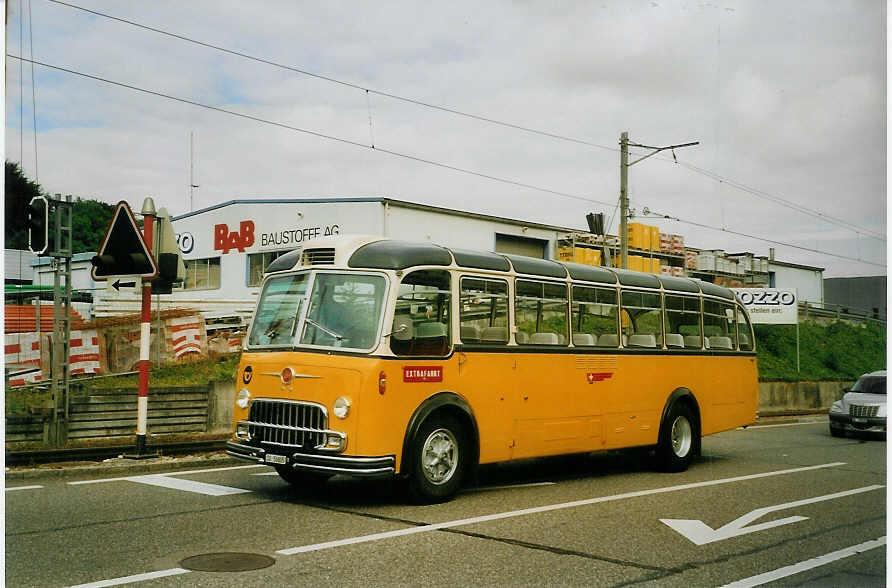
(654, 238)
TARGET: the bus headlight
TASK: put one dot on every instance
(342, 407)
(243, 397)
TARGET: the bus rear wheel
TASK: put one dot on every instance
(439, 451)
(678, 436)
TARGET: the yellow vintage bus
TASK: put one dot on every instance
(375, 357)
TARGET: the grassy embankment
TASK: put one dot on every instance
(835, 352)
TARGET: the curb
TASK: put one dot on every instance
(119, 467)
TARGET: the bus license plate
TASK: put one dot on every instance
(279, 459)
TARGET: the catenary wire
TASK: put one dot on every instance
(657, 215)
(317, 134)
(732, 183)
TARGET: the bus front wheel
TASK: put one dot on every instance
(677, 439)
(439, 450)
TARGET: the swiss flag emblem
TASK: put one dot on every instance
(593, 377)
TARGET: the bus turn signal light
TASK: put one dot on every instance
(382, 383)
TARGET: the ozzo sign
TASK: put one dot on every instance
(769, 305)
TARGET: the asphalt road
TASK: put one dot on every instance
(783, 505)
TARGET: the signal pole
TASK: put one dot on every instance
(145, 364)
(624, 166)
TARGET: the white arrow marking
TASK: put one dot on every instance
(700, 533)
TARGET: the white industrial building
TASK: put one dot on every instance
(227, 247)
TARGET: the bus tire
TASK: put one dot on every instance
(300, 479)
(440, 449)
(678, 439)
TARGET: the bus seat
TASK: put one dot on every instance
(470, 333)
(544, 339)
(692, 342)
(562, 339)
(583, 339)
(642, 341)
(522, 337)
(495, 335)
(674, 340)
(430, 329)
(720, 342)
(744, 341)
(608, 340)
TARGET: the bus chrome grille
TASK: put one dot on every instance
(287, 422)
(857, 410)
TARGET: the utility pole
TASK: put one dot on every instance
(192, 184)
(624, 166)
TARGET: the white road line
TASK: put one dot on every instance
(187, 485)
(808, 564)
(134, 578)
(22, 488)
(541, 509)
(182, 473)
(507, 487)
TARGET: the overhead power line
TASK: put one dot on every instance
(316, 133)
(557, 136)
(652, 214)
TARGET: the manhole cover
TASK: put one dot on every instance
(227, 562)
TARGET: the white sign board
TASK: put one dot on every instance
(769, 306)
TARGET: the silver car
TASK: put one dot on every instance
(862, 408)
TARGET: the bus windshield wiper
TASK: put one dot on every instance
(325, 330)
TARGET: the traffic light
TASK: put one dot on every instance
(167, 273)
(38, 224)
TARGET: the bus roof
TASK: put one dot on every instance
(391, 254)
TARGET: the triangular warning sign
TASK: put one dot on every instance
(123, 251)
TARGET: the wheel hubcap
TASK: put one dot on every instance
(439, 456)
(682, 436)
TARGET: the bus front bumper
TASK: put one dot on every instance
(362, 467)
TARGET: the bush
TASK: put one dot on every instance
(839, 351)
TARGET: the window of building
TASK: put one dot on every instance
(540, 313)
(484, 311)
(594, 313)
(642, 321)
(257, 264)
(719, 325)
(421, 318)
(683, 322)
(202, 274)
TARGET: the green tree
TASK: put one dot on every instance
(89, 218)
(19, 192)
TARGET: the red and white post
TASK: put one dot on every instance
(145, 343)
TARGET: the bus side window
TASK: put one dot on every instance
(540, 312)
(719, 325)
(744, 331)
(645, 321)
(594, 321)
(683, 322)
(484, 311)
(421, 319)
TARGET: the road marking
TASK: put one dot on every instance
(187, 485)
(22, 488)
(541, 509)
(182, 473)
(507, 487)
(806, 565)
(700, 533)
(134, 578)
(755, 427)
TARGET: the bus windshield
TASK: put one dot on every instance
(345, 310)
(278, 310)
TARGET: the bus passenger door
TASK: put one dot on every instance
(487, 380)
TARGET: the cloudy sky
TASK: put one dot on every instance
(787, 100)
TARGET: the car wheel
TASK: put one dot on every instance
(439, 451)
(678, 436)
